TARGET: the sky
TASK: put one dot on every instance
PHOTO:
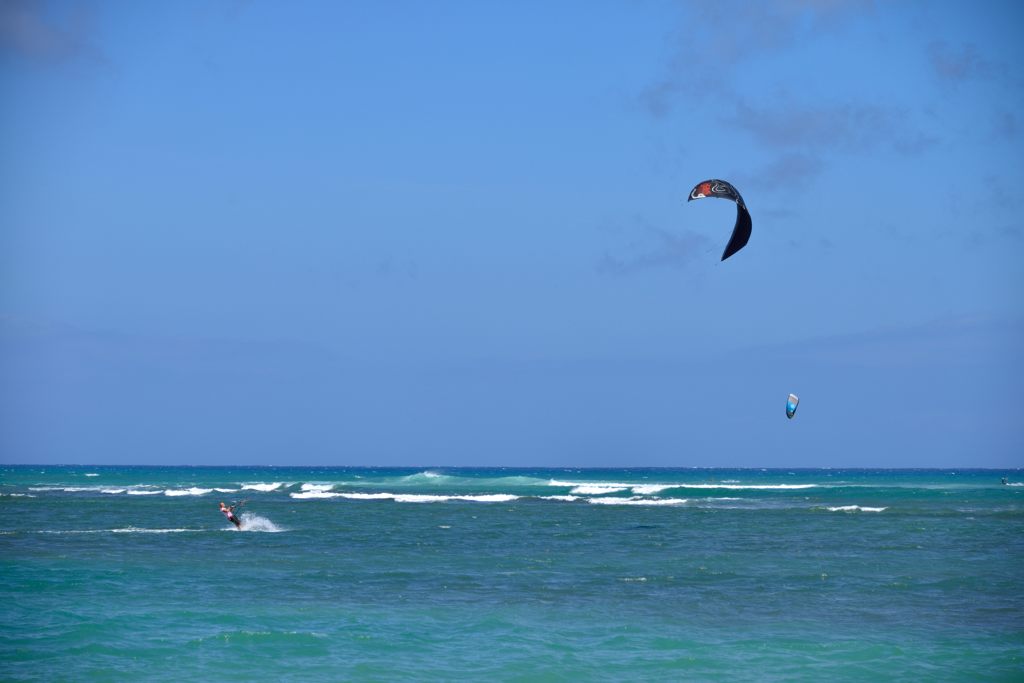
(456, 233)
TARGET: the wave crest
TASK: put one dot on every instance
(194, 491)
(260, 486)
(855, 508)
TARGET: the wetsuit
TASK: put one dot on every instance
(230, 514)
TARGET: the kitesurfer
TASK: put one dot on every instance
(229, 512)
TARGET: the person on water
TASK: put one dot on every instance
(229, 512)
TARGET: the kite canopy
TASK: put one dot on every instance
(724, 190)
(791, 405)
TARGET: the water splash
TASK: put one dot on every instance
(251, 522)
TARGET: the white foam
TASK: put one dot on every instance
(423, 498)
(132, 491)
(18, 495)
(489, 498)
(417, 497)
(315, 494)
(91, 474)
(662, 501)
(638, 501)
(317, 487)
(567, 499)
(855, 508)
(597, 489)
(602, 487)
(251, 522)
(1016, 483)
(187, 492)
(262, 487)
(555, 482)
(227, 490)
(744, 487)
(650, 489)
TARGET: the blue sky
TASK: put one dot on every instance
(456, 233)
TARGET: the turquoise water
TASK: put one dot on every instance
(505, 574)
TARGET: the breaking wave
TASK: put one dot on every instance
(637, 501)
(316, 487)
(408, 497)
(194, 491)
(854, 508)
(650, 489)
(602, 487)
(259, 486)
(596, 489)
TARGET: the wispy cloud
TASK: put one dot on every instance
(959, 64)
(390, 267)
(57, 345)
(787, 171)
(715, 38)
(714, 43)
(655, 247)
(999, 217)
(820, 127)
(32, 30)
(943, 342)
(999, 194)
(1005, 125)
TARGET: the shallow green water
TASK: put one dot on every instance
(362, 574)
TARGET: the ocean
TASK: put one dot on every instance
(441, 574)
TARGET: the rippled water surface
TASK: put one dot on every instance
(438, 574)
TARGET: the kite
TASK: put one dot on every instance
(724, 190)
(791, 405)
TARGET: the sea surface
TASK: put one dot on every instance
(441, 574)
